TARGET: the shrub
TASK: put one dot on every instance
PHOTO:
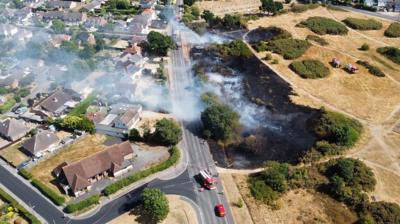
(167, 132)
(118, 185)
(321, 41)
(134, 135)
(323, 25)
(364, 47)
(310, 69)
(21, 210)
(261, 46)
(49, 193)
(263, 192)
(299, 8)
(337, 128)
(25, 174)
(72, 123)
(289, 48)
(393, 30)
(7, 106)
(268, 57)
(391, 53)
(363, 24)
(236, 48)
(239, 203)
(275, 61)
(384, 212)
(155, 204)
(371, 69)
(92, 200)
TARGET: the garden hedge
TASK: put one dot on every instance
(25, 174)
(118, 185)
(323, 25)
(92, 200)
(363, 24)
(289, 48)
(49, 193)
(310, 69)
(393, 30)
(21, 210)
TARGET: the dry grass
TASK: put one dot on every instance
(362, 95)
(82, 148)
(299, 206)
(13, 155)
(149, 119)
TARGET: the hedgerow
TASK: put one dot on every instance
(289, 48)
(323, 25)
(49, 193)
(118, 185)
(393, 30)
(321, 41)
(299, 8)
(92, 200)
(25, 174)
(371, 69)
(310, 69)
(363, 24)
(391, 53)
(21, 210)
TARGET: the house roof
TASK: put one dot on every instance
(56, 100)
(129, 115)
(41, 141)
(112, 158)
(12, 128)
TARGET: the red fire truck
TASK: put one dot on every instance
(208, 181)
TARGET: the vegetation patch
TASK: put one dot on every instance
(393, 30)
(323, 25)
(25, 174)
(72, 123)
(289, 48)
(236, 48)
(363, 24)
(19, 208)
(87, 203)
(49, 193)
(321, 41)
(81, 108)
(7, 106)
(371, 69)
(391, 53)
(299, 8)
(118, 185)
(155, 204)
(310, 69)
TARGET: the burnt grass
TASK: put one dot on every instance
(287, 137)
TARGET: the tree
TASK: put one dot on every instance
(122, 4)
(208, 16)
(134, 135)
(87, 52)
(70, 46)
(270, 6)
(58, 26)
(155, 204)
(71, 123)
(189, 2)
(100, 44)
(221, 121)
(167, 132)
(159, 44)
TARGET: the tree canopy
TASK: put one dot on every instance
(155, 204)
(271, 7)
(167, 132)
(58, 26)
(159, 44)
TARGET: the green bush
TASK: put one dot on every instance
(155, 204)
(236, 48)
(384, 212)
(25, 174)
(118, 185)
(289, 48)
(263, 192)
(261, 46)
(7, 106)
(49, 193)
(364, 47)
(336, 128)
(72, 123)
(323, 25)
(310, 69)
(21, 210)
(167, 132)
(371, 69)
(321, 41)
(391, 53)
(299, 8)
(92, 200)
(275, 61)
(393, 30)
(363, 24)
(268, 57)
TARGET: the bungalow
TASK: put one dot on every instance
(86, 38)
(12, 129)
(61, 4)
(113, 161)
(23, 15)
(95, 22)
(42, 142)
(70, 18)
(147, 4)
(58, 103)
(90, 7)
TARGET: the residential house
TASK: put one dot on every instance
(61, 4)
(90, 7)
(70, 18)
(147, 4)
(95, 22)
(132, 64)
(57, 40)
(39, 144)
(58, 103)
(129, 118)
(7, 30)
(140, 23)
(86, 38)
(113, 161)
(12, 129)
(22, 16)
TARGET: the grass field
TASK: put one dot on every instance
(82, 148)
(13, 155)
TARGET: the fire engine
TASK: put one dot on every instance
(208, 181)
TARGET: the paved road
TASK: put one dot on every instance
(376, 14)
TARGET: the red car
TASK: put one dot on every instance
(220, 210)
